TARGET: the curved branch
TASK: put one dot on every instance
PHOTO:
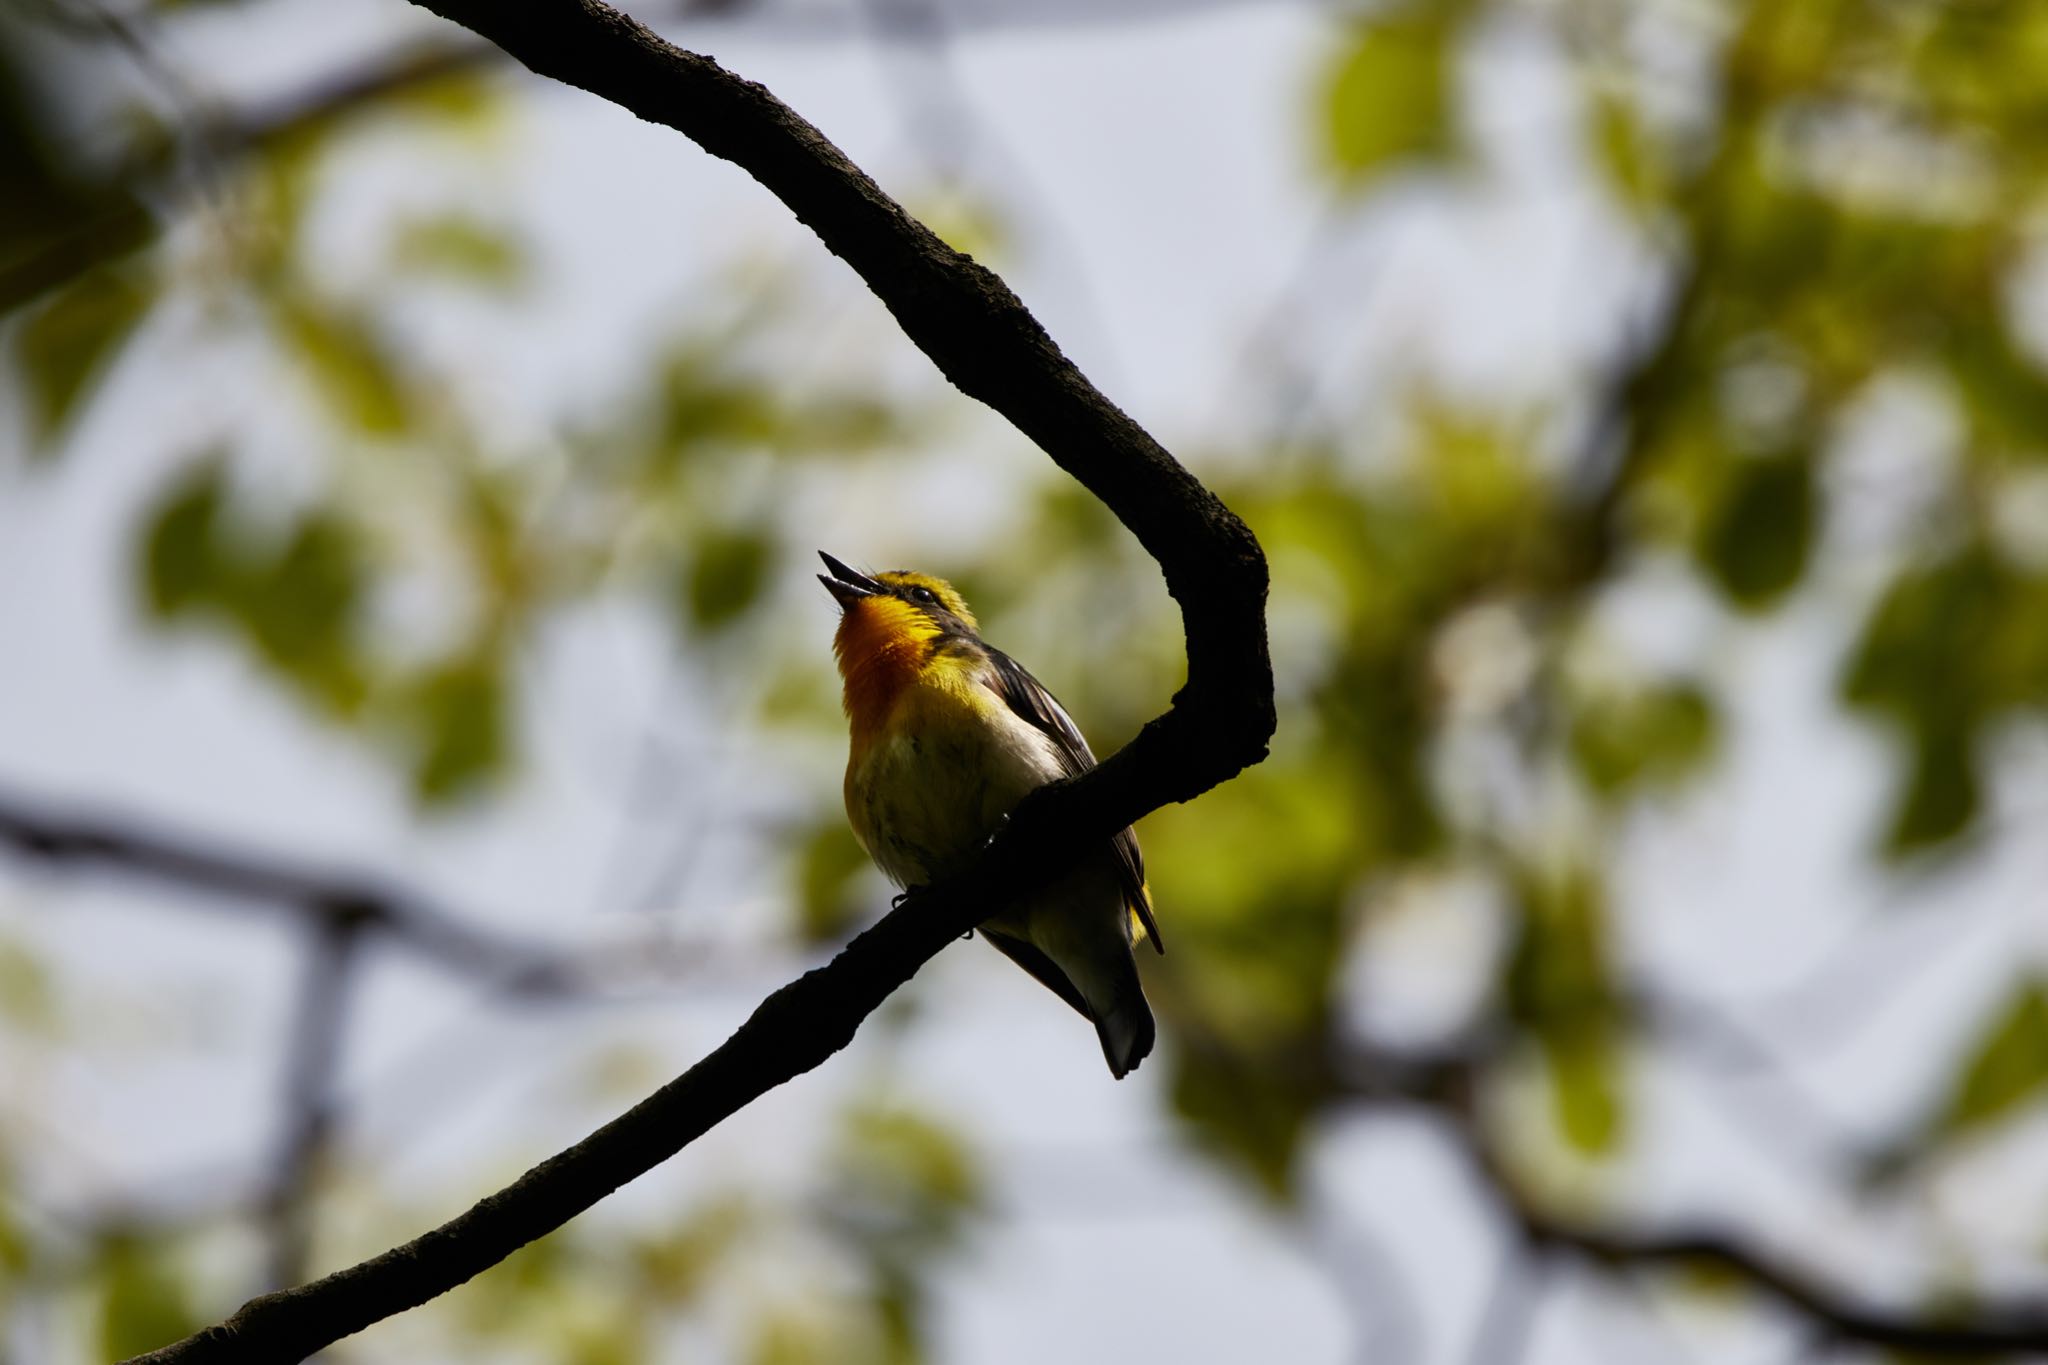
(984, 341)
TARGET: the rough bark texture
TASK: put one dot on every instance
(987, 344)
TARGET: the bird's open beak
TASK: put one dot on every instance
(845, 584)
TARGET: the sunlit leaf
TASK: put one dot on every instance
(1388, 99)
(1585, 1089)
(1626, 151)
(462, 247)
(969, 224)
(144, 1301)
(2007, 1066)
(67, 343)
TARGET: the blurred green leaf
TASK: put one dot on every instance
(676, 1264)
(181, 563)
(462, 247)
(2007, 1066)
(1755, 541)
(2005, 392)
(298, 603)
(904, 1176)
(460, 712)
(28, 1000)
(1253, 1107)
(1951, 646)
(67, 343)
(829, 866)
(1387, 100)
(1626, 151)
(1585, 1088)
(727, 572)
(1943, 793)
(349, 364)
(302, 608)
(971, 225)
(1559, 985)
(788, 1335)
(705, 408)
(1651, 737)
(144, 1301)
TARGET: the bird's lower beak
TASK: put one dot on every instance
(846, 584)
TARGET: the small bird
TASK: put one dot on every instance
(949, 734)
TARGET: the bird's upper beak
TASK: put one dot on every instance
(846, 584)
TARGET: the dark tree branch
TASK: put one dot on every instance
(987, 344)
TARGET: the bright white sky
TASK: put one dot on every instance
(1168, 213)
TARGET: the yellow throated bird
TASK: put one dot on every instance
(949, 734)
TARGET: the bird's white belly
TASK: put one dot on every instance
(928, 796)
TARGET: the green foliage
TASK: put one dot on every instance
(2006, 1067)
(28, 996)
(901, 1184)
(1253, 1107)
(1650, 737)
(297, 597)
(1754, 541)
(1626, 151)
(1388, 97)
(460, 709)
(460, 247)
(144, 1300)
(350, 365)
(1952, 646)
(829, 870)
(1560, 986)
(726, 574)
(896, 1194)
(68, 342)
(180, 566)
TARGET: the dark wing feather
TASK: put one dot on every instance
(1029, 699)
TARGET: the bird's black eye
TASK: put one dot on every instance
(925, 595)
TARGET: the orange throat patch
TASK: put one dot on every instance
(882, 644)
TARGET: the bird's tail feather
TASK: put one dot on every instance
(1126, 1028)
